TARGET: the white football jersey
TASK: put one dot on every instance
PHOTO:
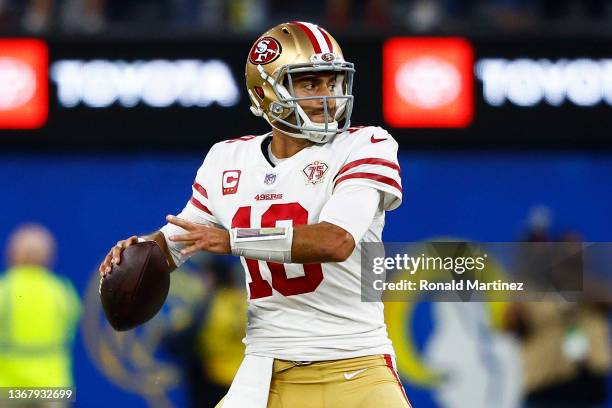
(301, 312)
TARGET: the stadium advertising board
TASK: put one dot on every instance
(23, 84)
(181, 94)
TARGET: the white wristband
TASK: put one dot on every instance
(265, 244)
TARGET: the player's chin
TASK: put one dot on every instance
(318, 119)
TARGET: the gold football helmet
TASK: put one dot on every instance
(296, 48)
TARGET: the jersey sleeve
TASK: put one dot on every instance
(373, 162)
(352, 208)
(197, 209)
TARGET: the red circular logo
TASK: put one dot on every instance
(17, 83)
(328, 57)
(264, 51)
(428, 82)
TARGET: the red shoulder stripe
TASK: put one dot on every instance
(370, 176)
(369, 160)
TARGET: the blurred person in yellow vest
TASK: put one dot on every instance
(39, 313)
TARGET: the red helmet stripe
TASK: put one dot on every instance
(319, 36)
(311, 36)
(327, 40)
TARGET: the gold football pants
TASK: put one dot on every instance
(362, 382)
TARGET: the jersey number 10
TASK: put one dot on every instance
(259, 287)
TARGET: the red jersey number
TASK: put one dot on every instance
(259, 287)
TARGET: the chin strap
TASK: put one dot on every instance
(318, 138)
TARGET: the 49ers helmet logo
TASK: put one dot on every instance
(264, 51)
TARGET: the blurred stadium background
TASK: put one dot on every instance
(503, 113)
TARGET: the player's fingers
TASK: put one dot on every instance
(190, 250)
(193, 236)
(116, 253)
(221, 247)
(189, 226)
(217, 241)
(130, 241)
(120, 246)
(102, 268)
(105, 266)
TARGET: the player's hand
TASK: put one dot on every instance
(114, 255)
(201, 237)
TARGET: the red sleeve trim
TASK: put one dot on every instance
(200, 189)
(369, 160)
(370, 176)
(199, 205)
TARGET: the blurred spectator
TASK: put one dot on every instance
(8, 13)
(221, 334)
(38, 16)
(210, 16)
(39, 312)
(538, 224)
(565, 345)
(206, 326)
(247, 15)
(338, 13)
(70, 15)
(513, 14)
(566, 353)
(592, 9)
(189, 290)
(344, 14)
(3, 11)
(88, 15)
(425, 15)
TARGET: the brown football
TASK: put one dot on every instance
(137, 288)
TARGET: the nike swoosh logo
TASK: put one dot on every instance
(349, 376)
(374, 140)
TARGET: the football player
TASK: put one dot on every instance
(296, 204)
